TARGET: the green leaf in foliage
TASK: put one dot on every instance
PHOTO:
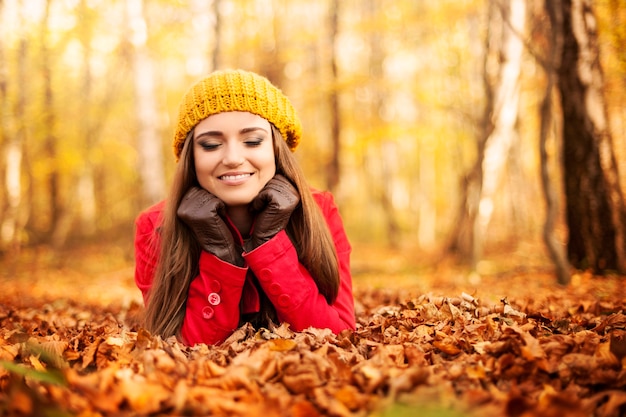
(51, 376)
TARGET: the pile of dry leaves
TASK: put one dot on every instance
(426, 355)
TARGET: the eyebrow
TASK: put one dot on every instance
(218, 133)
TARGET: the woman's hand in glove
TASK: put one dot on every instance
(274, 205)
(202, 212)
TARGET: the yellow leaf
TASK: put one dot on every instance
(36, 363)
(281, 345)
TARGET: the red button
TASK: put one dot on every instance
(274, 288)
(265, 274)
(207, 313)
(214, 299)
(284, 300)
(215, 286)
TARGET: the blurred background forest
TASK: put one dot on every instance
(423, 117)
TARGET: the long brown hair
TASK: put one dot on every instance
(180, 253)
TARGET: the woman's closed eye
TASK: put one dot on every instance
(209, 146)
(253, 142)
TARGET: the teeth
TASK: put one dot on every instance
(234, 177)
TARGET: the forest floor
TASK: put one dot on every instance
(431, 340)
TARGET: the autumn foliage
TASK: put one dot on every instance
(434, 354)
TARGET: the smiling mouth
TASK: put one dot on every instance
(234, 177)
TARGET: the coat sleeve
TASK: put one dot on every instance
(290, 287)
(147, 246)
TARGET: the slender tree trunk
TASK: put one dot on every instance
(386, 149)
(504, 114)
(503, 61)
(55, 207)
(10, 148)
(5, 133)
(272, 63)
(595, 205)
(427, 217)
(389, 162)
(461, 242)
(14, 218)
(86, 189)
(333, 168)
(555, 249)
(205, 55)
(150, 158)
(216, 56)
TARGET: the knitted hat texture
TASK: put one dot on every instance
(236, 90)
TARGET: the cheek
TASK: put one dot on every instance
(205, 162)
(269, 169)
(204, 169)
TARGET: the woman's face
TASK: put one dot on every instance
(234, 156)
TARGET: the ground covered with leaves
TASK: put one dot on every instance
(427, 343)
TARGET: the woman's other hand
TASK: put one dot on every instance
(274, 205)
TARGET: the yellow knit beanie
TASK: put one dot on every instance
(236, 90)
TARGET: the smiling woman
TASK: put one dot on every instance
(241, 238)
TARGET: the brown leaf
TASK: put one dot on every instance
(90, 353)
(618, 343)
(142, 396)
(448, 346)
(302, 382)
(351, 397)
(302, 408)
(368, 377)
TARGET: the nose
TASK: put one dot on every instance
(233, 156)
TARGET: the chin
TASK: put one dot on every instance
(234, 202)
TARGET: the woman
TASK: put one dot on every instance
(241, 236)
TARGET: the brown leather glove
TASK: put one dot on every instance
(202, 212)
(274, 205)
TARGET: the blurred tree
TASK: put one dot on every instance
(216, 56)
(555, 46)
(150, 156)
(502, 67)
(333, 169)
(383, 146)
(86, 192)
(9, 199)
(595, 212)
(272, 41)
(14, 136)
(57, 226)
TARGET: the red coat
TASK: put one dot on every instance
(213, 301)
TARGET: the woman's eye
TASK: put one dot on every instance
(209, 146)
(253, 142)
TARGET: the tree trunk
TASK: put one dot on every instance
(150, 158)
(503, 59)
(86, 190)
(389, 162)
(427, 213)
(333, 168)
(55, 205)
(216, 55)
(555, 249)
(595, 206)
(5, 134)
(13, 141)
(386, 149)
(205, 55)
